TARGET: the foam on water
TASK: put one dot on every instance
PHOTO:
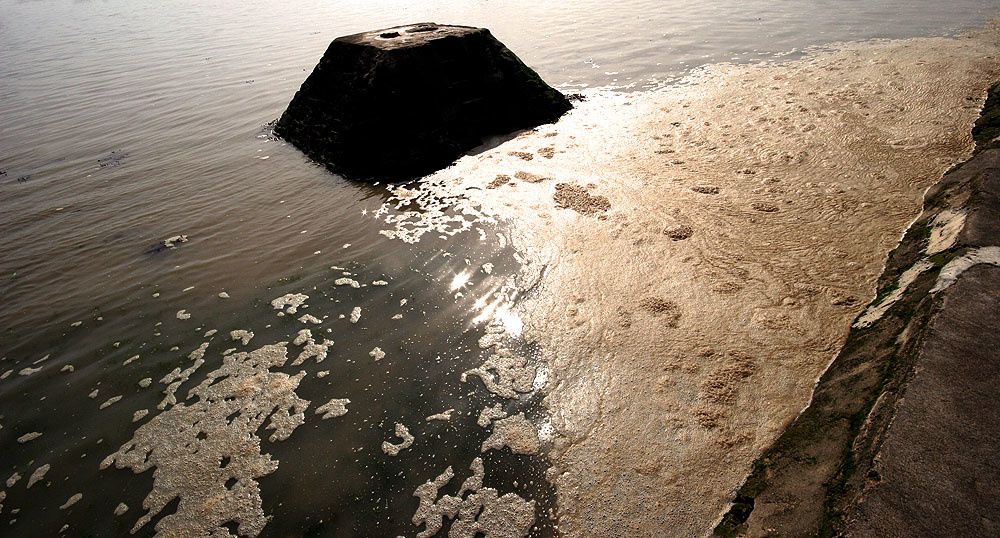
(126, 124)
(693, 320)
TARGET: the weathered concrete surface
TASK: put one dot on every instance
(900, 436)
(939, 464)
(937, 469)
(402, 102)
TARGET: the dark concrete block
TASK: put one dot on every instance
(403, 102)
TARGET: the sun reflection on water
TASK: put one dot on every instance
(461, 279)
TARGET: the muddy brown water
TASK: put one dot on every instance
(125, 124)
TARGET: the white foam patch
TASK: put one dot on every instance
(304, 335)
(206, 450)
(489, 414)
(547, 431)
(28, 437)
(243, 336)
(944, 230)
(504, 373)
(110, 401)
(309, 318)
(38, 475)
(442, 416)
(541, 377)
(174, 240)
(29, 370)
(313, 349)
(441, 215)
(875, 312)
(515, 432)
(336, 407)
(177, 377)
(407, 441)
(954, 269)
(71, 501)
(290, 302)
(475, 511)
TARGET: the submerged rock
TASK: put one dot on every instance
(404, 102)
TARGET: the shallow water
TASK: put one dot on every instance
(127, 123)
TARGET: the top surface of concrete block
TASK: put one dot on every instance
(409, 35)
(403, 102)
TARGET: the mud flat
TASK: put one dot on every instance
(735, 227)
(900, 434)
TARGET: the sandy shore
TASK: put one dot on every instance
(696, 256)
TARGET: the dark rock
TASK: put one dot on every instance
(168, 243)
(112, 159)
(987, 127)
(403, 102)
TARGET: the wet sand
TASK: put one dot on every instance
(717, 242)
